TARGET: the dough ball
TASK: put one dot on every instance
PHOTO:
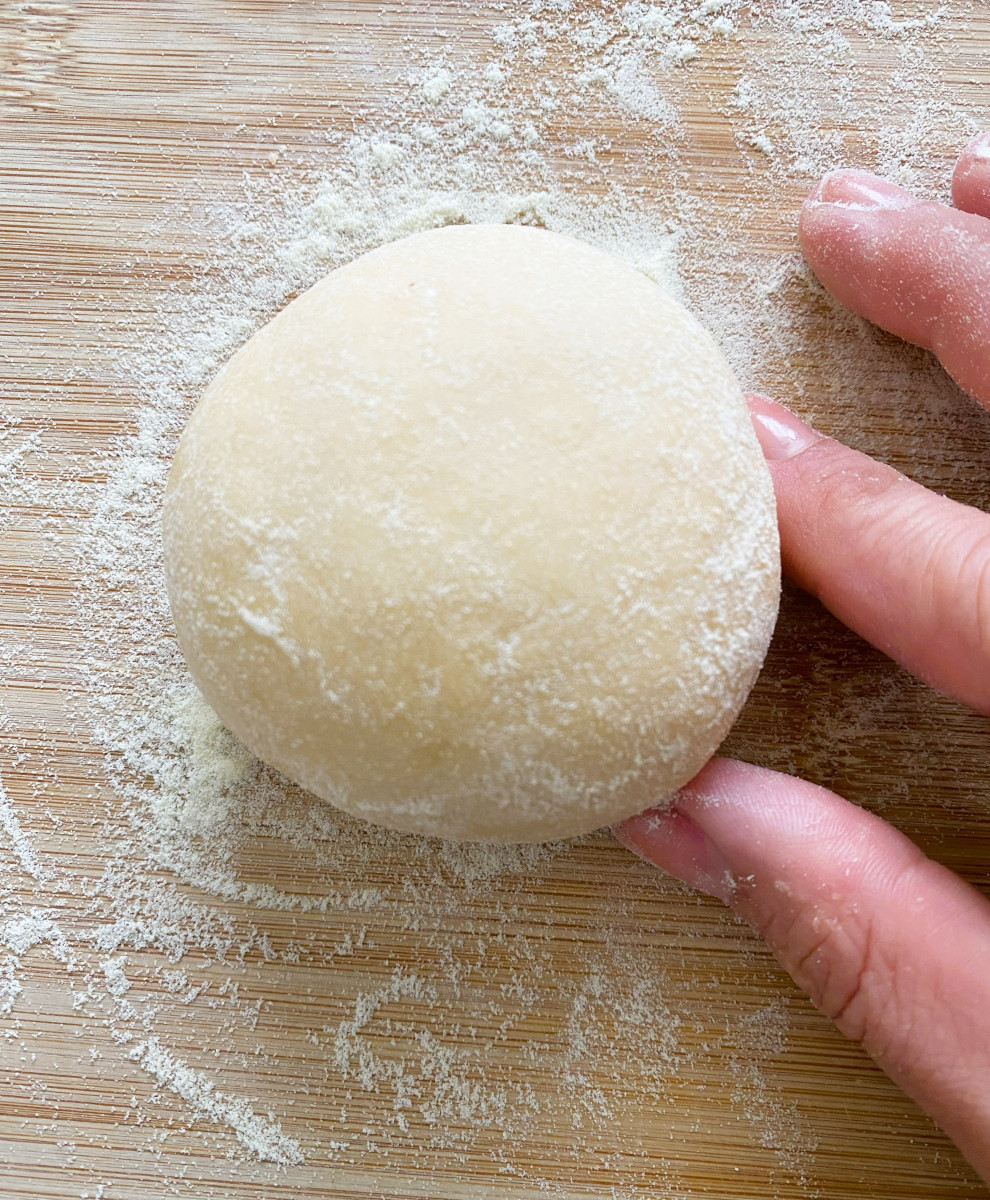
(475, 539)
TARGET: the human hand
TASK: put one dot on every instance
(892, 946)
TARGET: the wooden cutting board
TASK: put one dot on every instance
(571, 1025)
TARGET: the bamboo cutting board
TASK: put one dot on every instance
(557, 1023)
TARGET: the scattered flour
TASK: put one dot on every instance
(23, 850)
(263, 1138)
(10, 988)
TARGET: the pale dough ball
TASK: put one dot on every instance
(475, 539)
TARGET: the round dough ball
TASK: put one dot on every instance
(475, 539)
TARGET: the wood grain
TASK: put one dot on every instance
(113, 115)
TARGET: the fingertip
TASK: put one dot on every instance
(669, 839)
(696, 835)
(843, 206)
(643, 831)
(843, 231)
(971, 177)
(747, 810)
(819, 221)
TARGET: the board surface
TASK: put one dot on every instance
(210, 996)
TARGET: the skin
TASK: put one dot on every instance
(890, 945)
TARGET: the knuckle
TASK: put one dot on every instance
(850, 483)
(840, 956)
(959, 565)
(975, 573)
(831, 957)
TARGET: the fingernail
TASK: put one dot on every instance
(780, 433)
(861, 191)
(979, 147)
(673, 842)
